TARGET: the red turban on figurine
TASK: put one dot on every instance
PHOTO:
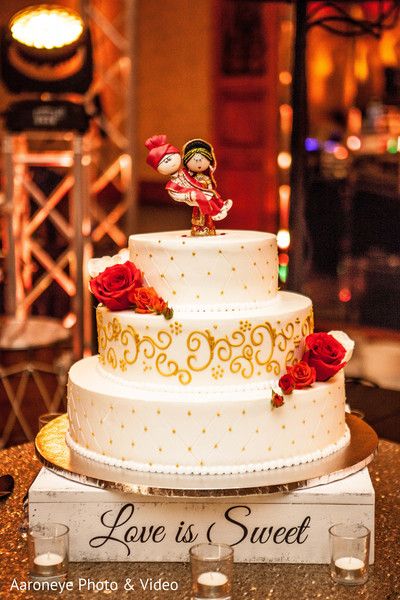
(158, 148)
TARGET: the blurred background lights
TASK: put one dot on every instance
(69, 320)
(287, 27)
(311, 144)
(344, 295)
(285, 77)
(391, 145)
(283, 259)
(283, 268)
(46, 28)
(330, 146)
(283, 273)
(354, 120)
(353, 143)
(284, 200)
(286, 115)
(283, 239)
(284, 192)
(341, 153)
(284, 160)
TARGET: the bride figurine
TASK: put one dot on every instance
(193, 183)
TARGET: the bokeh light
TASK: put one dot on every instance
(341, 153)
(344, 295)
(311, 144)
(284, 160)
(285, 77)
(283, 239)
(353, 143)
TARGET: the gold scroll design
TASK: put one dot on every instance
(306, 327)
(287, 334)
(107, 332)
(241, 354)
(152, 349)
(112, 331)
(244, 351)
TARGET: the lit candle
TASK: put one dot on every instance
(350, 569)
(48, 559)
(212, 584)
(48, 564)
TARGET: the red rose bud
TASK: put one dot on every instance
(277, 400)
(168, 312)
(286, 383)
(325, 354)
(302, 375)
(115, 284)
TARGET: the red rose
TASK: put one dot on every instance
(277, 400)
(286, 383)
(114, 285)
(302, 375)
(325, 354)
(146, 300)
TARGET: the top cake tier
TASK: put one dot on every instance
(231, 270)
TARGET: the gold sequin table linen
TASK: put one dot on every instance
(251, 581)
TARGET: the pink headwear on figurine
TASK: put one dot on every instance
(158, 148)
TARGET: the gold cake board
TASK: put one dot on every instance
(56, 456)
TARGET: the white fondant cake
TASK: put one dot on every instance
(193, 394)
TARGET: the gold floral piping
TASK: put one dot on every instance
(248, 350)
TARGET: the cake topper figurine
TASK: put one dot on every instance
(192, 183)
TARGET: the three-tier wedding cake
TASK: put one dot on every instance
(232, 380)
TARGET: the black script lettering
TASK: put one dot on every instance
(100, 540)
(187, 536)
(228, 517)
(144, 534)
(261, 535)
(132, 534)
(260, 538)
(292, 532)
(280, 532)
(159, 532)
(305, 525)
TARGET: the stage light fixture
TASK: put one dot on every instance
(46, 28)
(46, 48)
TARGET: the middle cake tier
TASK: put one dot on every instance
(202, 349)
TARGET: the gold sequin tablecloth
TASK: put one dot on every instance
(252, 582)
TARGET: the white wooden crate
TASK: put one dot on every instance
(289, 527)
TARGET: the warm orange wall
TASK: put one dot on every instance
(174, 74)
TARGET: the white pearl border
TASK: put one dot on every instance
(227, 307)
(220, 470)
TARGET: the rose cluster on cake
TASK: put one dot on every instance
(324, 356)
(120, 286)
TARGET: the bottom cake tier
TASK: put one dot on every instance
(205, 431)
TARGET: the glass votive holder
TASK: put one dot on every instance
(47, 417)
(212, 571)
(349, 548)
(48, 546)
